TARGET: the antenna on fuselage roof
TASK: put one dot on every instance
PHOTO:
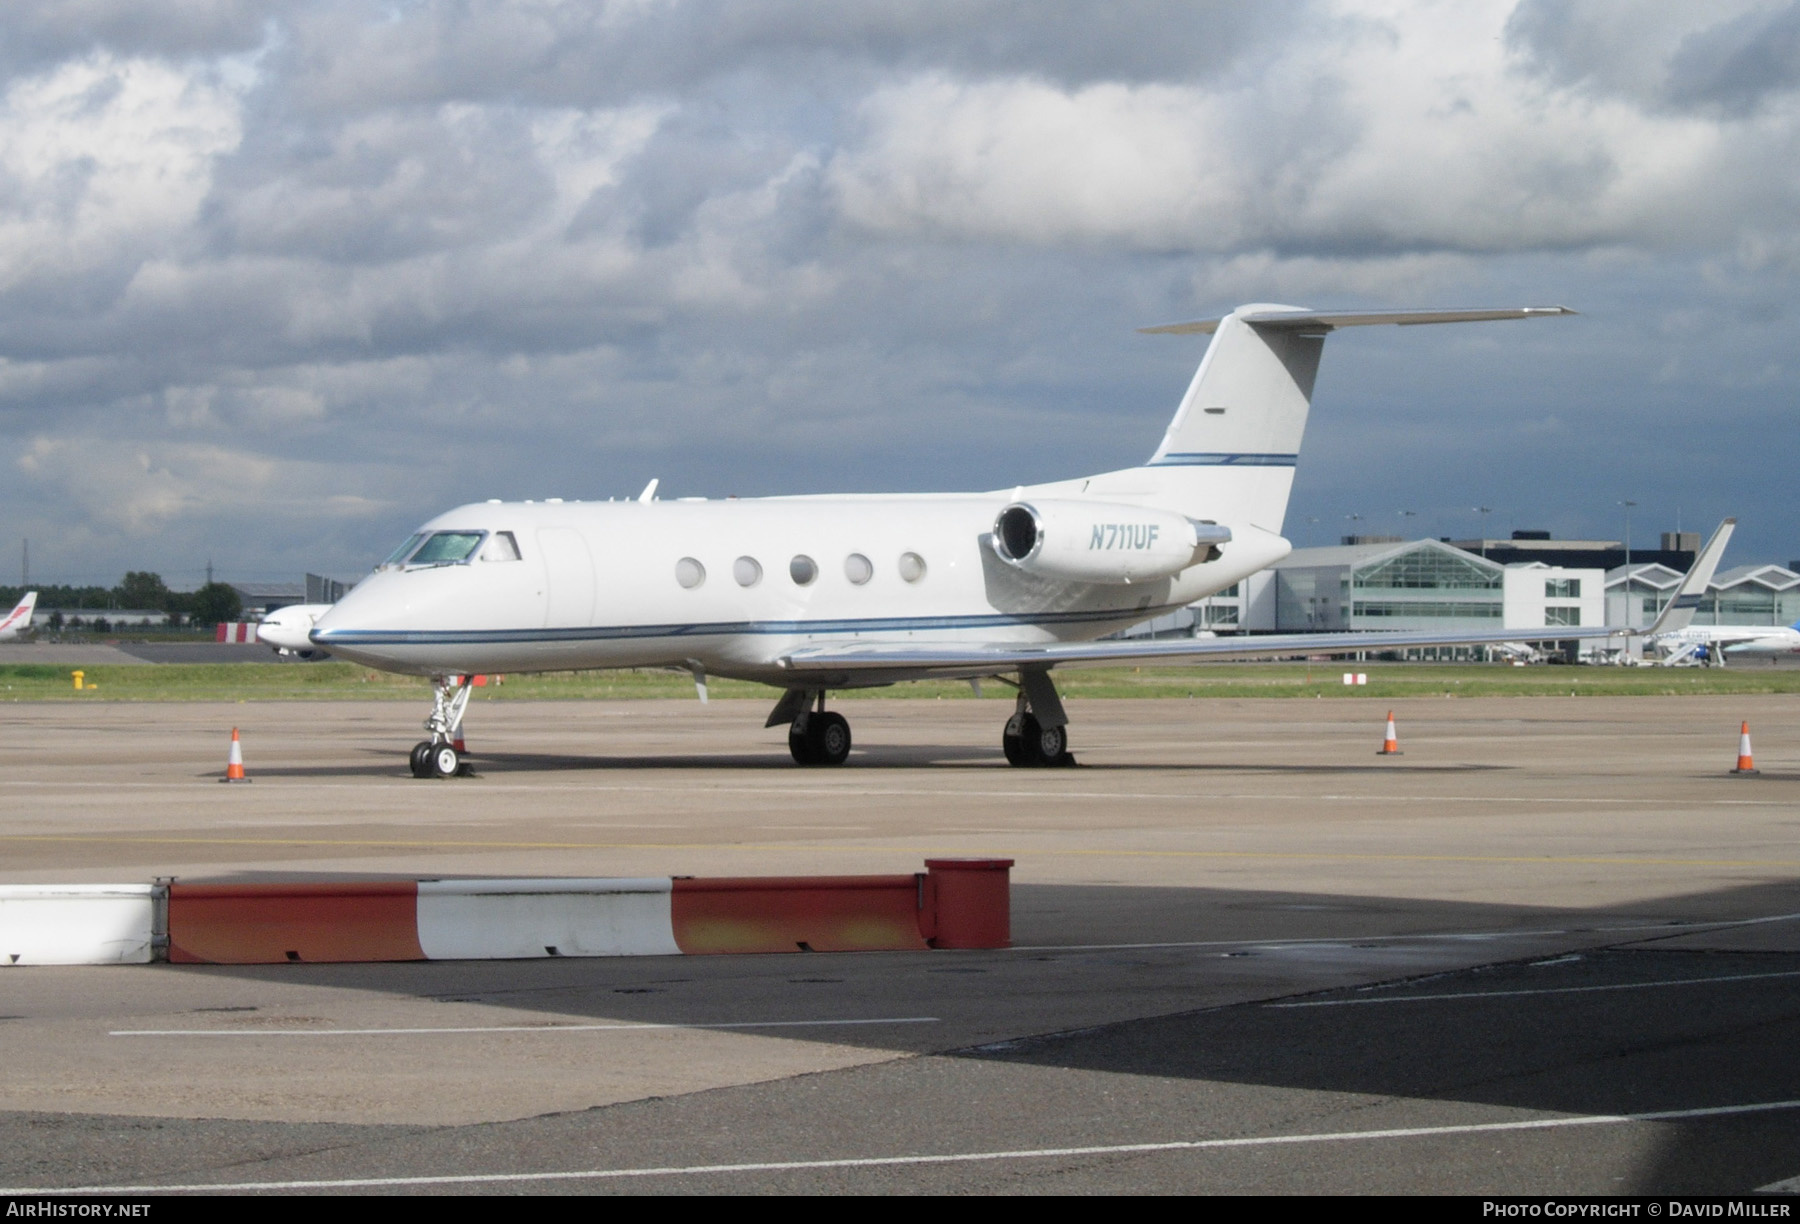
(649, 493)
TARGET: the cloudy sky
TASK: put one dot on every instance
(280, 280)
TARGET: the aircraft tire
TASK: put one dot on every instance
(1012, 741)
(1029, 744)
(800, 745)
(829, 734)
(444, 760)
(421, 759)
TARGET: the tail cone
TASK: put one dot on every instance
(1391, 745)
(234, 763)
(1745, 764)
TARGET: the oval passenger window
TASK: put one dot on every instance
(747, 571)
(802, 570)
(858, 569)
(689, 573)
(912, 566)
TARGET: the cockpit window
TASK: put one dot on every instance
(400, 554)
(501, 546)
(447, 548)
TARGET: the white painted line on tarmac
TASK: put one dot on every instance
(1547, 990)
(881, 1162)
(1473, 936)
(516, 1028)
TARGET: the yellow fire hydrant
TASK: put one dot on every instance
(78, 678)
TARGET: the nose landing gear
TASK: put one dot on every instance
(437, 756)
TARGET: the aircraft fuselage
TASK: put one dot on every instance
(735, 585)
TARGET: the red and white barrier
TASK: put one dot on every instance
(77, 924)
(236, 631)
(954, 903)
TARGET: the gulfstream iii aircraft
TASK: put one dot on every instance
(812, 594)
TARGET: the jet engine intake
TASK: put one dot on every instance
(1081, 541)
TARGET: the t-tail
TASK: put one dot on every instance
(1231, 449)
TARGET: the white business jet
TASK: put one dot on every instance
(18, 621)
(811, 594)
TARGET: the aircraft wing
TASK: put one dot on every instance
(912, 660)
(905, 660)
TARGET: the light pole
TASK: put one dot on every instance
(1627, 584)
(1484, 511)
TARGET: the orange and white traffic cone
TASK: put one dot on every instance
(1745, 764)
(234, 764)
(1391, 745)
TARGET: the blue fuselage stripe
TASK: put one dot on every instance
(792, 628)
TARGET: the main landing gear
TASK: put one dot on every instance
(438, 756)
(816, 736)
(1037, 735)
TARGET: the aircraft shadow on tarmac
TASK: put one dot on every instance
(886, 757)
(1563, 1037)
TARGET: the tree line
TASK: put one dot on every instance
(209, 605)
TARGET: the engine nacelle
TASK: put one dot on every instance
(1081, 541)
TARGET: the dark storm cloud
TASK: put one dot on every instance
(43, 32)
(1728, 59)
(347, 55)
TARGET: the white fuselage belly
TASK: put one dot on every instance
(596, 587)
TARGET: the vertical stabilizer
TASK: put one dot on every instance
(1678, 613)
(19, 619)
(1245, 412)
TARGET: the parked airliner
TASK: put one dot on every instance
(812, 594)
(18, 621)
(1714, 643)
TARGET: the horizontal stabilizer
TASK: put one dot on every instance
(1326, 320)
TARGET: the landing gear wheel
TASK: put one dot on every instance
(1029, 744)
(1052, 746)
(830, 736)
(1012, 740)
(800, 745)
(820, 738)
(421, 759)
(444, 760)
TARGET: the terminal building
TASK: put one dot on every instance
(1386, 582)
(1743, 595)
(1530, 583)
